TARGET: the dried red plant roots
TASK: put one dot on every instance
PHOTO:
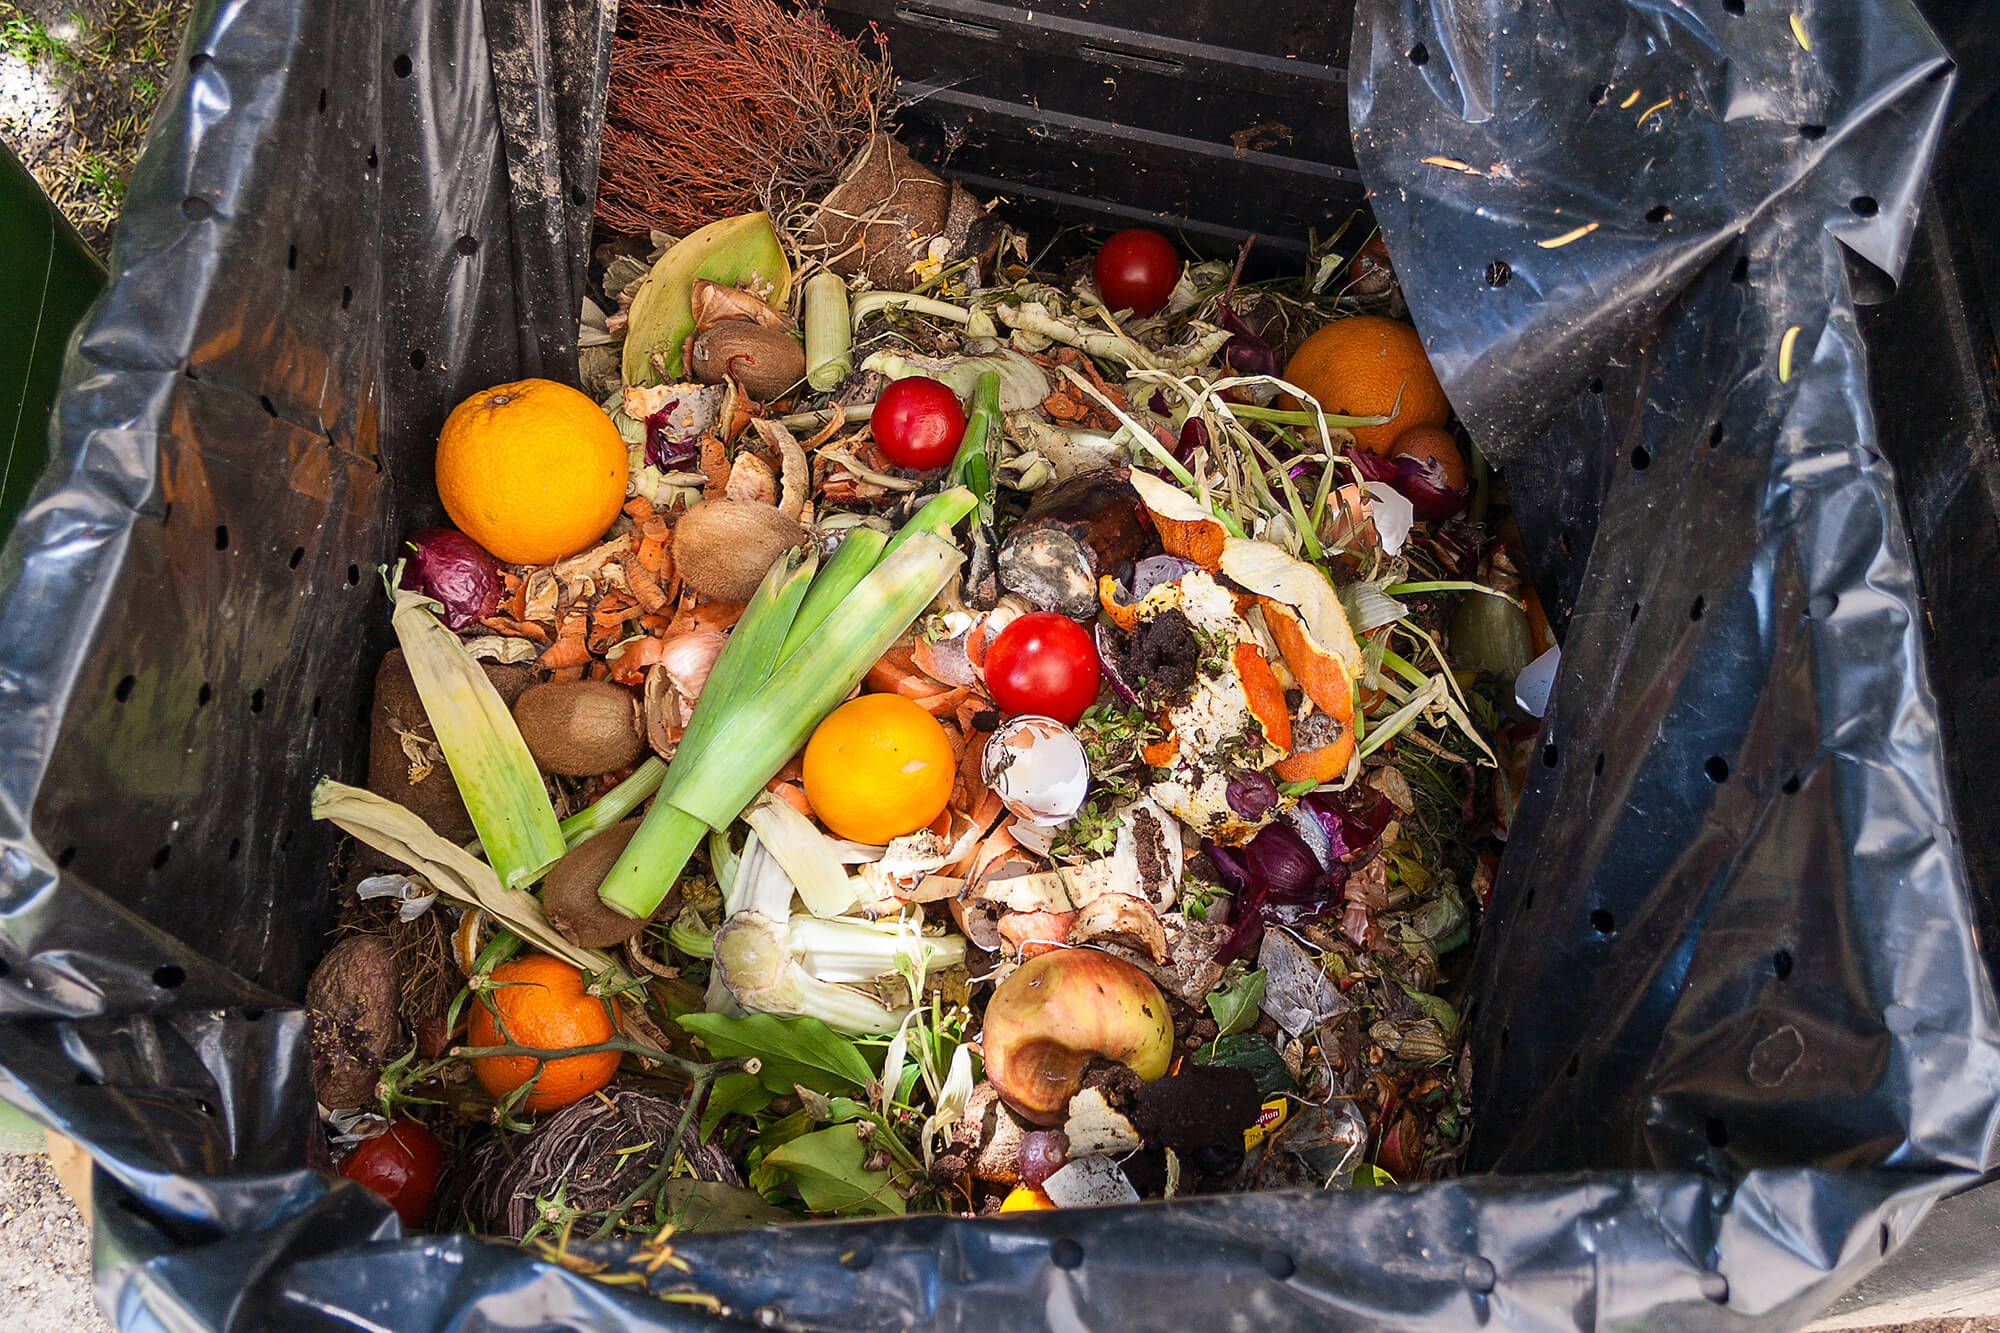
(725, 106)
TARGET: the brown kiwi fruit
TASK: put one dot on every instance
(723, 548)
(581, 728)
(569, 894)
(351, 1018)
(399, 711)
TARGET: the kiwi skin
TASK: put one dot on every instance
(580, 728)
(569, 894)
(397, 708)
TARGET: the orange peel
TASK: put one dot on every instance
(1321, 674)
(1263, 693)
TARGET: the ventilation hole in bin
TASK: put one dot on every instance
(1598, 93)
(1781, 963)
(1660, 213)
(353, 575)
(372, 158)
(1635, 613)
(1575, 1062)
(402, 66)
(203, 695)
(1277, 1263)
(579, 196)
(291, 259)
(346, 297)
(161, 857)
(1864, 205)
(169, 975)
(1597, 384)
(1598, 767)
(1812, 131)
(1717, 769)
(64, 857)
(270, 408)
(1642, 458)
(1733, 6)
(322, 101)
(1528, 901)
(256, 701)
(1740, 273)
(1420, 54)
(1506, 1039)
(5, 967)
(418, 358)
(1882, 1239)
(199, 61)
(124, 689)
(222, 536)
(315, 706)
(1715, 436)
(1791, 787)
(235, 849)
(298, 554)
(196, 209)
(1694, 611)
(84, 1079)
(1602, 921)
(1718, 1133)
(468, 245)
(1498, 273)
(1550, 755)
(1065, 1253)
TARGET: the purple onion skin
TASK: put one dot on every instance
(450, 567)
(1350, 830)
(1194, 435)
(1107, 660)
(1276, 879)
(1418, 480)
(1251, 794)
(1043, 1153)
(664, 450)
(1246, 353)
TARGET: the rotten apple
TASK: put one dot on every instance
(1056, 1012)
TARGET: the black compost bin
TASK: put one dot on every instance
(1735, 1034)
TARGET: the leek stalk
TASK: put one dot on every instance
(829, 337)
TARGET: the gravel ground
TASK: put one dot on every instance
(44, 1253)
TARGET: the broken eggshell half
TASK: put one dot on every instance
(1038, 769)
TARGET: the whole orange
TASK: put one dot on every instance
(541, 1003)
(877, 768)
(533, 470)
(1357, 367)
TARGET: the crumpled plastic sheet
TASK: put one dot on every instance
(1749, 1075)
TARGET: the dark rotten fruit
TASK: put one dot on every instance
(351, 1019)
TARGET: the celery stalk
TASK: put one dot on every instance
(829, 338)
(615, 804)
(859, 552)
(489, 761)
(771, 726)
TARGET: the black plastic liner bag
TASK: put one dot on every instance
(1734, 1034)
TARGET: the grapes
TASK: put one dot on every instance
(1043, 1153)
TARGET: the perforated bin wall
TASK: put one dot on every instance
(1748, 1017)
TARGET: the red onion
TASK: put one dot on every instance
(1043, 1153)
(1194, 435)
(1280, 857)
(1348, 831)
(1276, 878)
(1418, 480)
(665, 448)
(450, 567)
(1246, 353)
(1251, 794)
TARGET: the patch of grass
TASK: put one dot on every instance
(30, 40)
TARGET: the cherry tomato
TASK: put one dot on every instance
(1043, 663)
(1136, 270)
(918, 422)
(401, 1164)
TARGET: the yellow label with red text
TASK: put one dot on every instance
(1271, 1115)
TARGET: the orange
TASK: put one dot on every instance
(542, 1004)
(877, 768)
(1025, 1199)
(1357, 366)
(1433, 444)
(533, 470)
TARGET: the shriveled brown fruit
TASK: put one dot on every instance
(1056, 1012)
(405, 764)
(569, 894)
(580, 728)
(765, 361)
(351, 1017)
(723, 548)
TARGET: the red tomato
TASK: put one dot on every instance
(1136, 270)
(401, 1164)
(1043, 663)
(918, 422)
